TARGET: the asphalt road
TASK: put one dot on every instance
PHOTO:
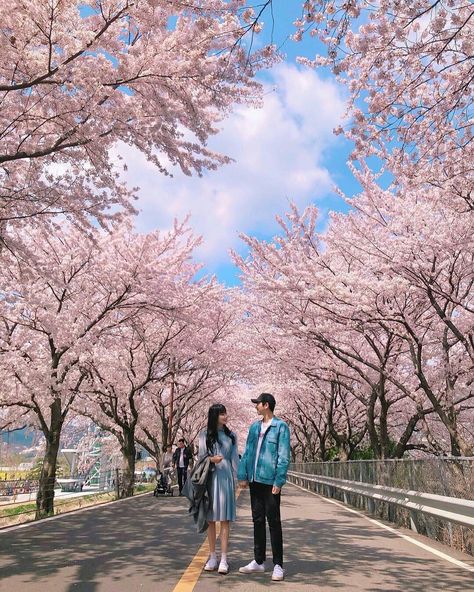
(146, 545)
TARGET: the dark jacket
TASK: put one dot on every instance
(197, 490)
(176, 454)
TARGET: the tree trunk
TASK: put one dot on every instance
(129, 453)
(159, 451)
(45, 496)
(459, 446)
(344, 452)
(324, 453)
(157, 455)
(383, 421)
(165, 434)
(371, 427)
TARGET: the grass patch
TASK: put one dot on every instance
(143, 488)
(21, 509)
(22, 513)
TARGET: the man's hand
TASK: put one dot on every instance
(243, 484)
(216, 459)
(276, 490)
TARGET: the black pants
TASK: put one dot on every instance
(182, 476)
(266, 505)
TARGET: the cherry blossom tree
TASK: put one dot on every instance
(423, 247)
(122, 367)
(328, 419)
(199, 372)
(172, 352)
(183, 394)
(378, 312)
(78, 78)
(408, 68)
(329, 314)
(57, 307)
(287, 280)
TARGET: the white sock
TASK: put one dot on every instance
(224, 557)
(213, 556)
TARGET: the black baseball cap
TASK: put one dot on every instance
(265, 398)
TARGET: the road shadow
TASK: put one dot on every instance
(328, 548)
(145, 544)
(142, 543)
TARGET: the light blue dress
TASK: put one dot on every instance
(223, 477)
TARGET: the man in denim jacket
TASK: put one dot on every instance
(264, 466)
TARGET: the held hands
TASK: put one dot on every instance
(216, 459)
(244, 484)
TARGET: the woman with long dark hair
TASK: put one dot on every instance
(220, 444)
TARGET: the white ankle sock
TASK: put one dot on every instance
(213, 556)
(224, 557)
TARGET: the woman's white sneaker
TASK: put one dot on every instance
(252, 567)
(278, 573)
(223, 567)
(211, 564)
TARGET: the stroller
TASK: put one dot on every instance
(163, 483)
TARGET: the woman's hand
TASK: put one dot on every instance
(216, 459)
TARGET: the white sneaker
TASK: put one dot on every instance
(211, 564)
(252, 567)
(278, 573)
(223, 567)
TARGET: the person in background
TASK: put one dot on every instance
(191, 453)
(167, 458)
(181, 463)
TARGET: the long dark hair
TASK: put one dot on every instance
(212, 423)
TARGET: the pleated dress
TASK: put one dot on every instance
(223, 477)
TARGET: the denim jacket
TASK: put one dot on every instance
(274, 456)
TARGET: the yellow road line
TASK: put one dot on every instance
(191, 576)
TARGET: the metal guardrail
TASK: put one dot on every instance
(18, 497)
(402, 491)
(447, 476)
(453, 509)
(10, 488)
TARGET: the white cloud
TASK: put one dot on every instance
(278, 151)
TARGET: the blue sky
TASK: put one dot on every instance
(284, 152)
